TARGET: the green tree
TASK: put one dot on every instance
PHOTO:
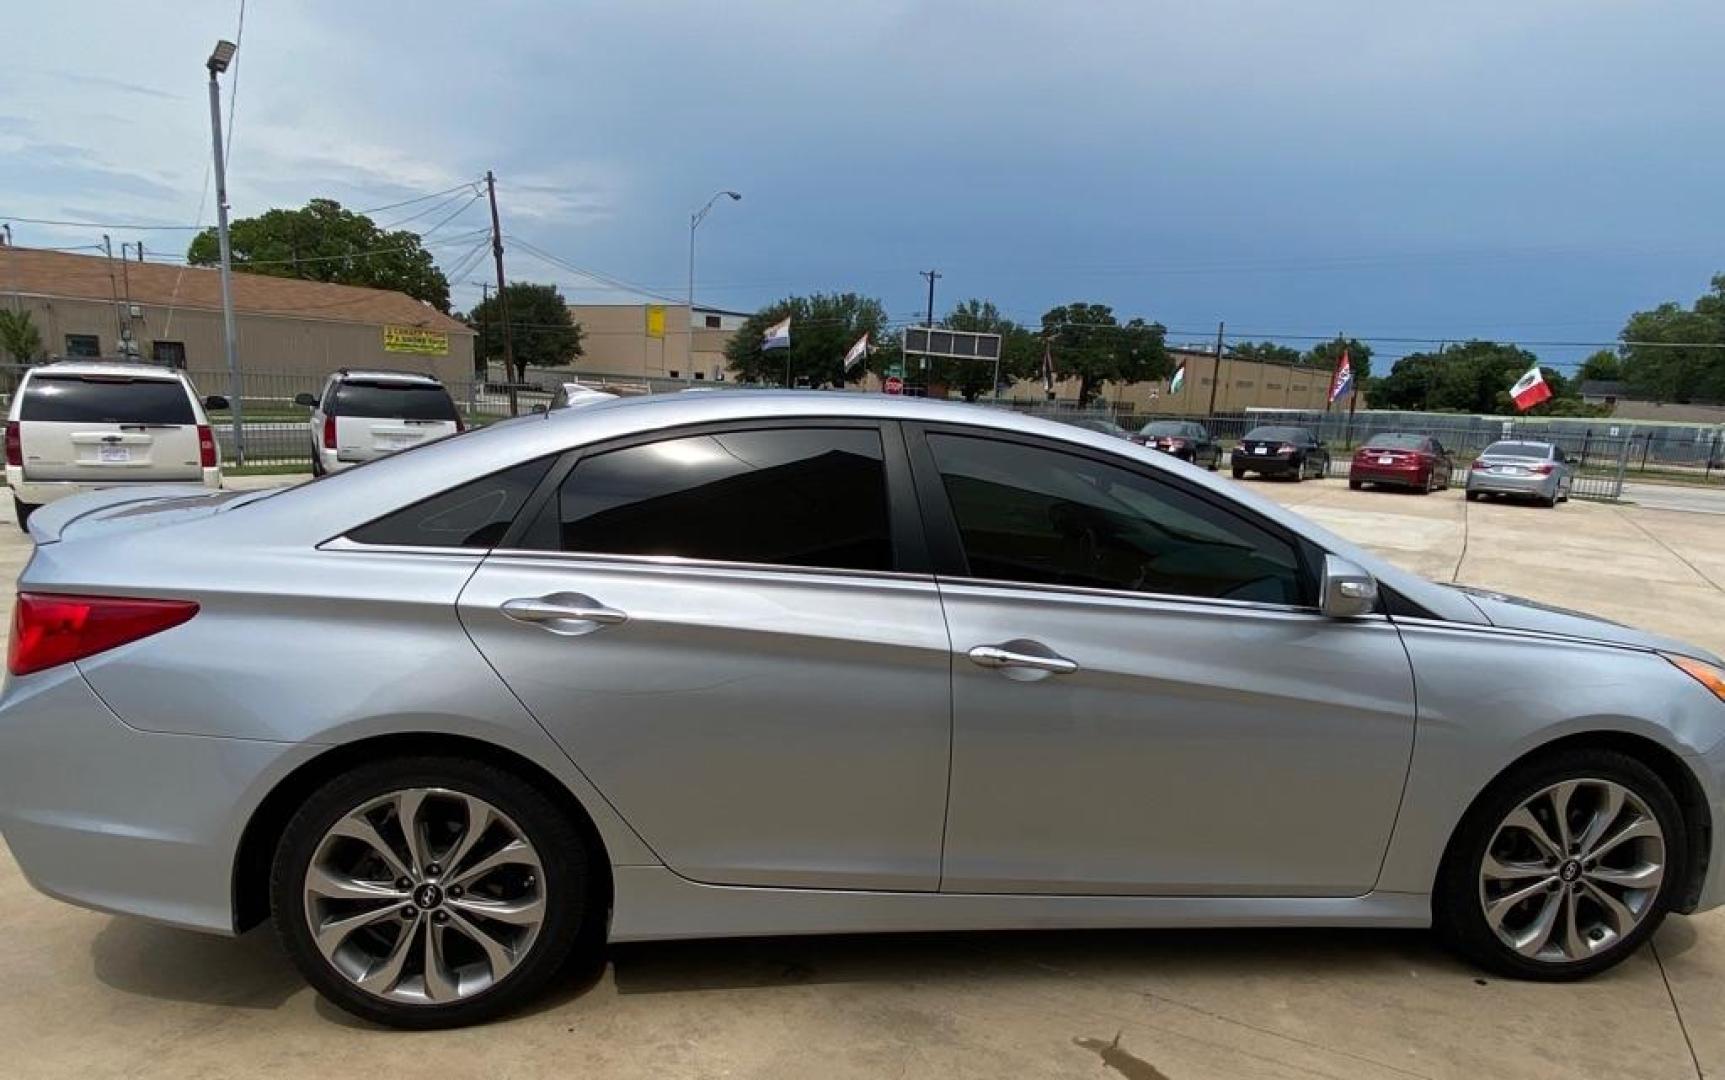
(20, 341)
(1267, 351)
(1604, 365)
(541, 330)
(1088, 343)
(1473, 377)
(323, 242)
(1326, 354)
(1020, 350)
(1672, 353)
(823, 328)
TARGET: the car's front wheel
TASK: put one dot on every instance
(431, 892)
(1563, 868)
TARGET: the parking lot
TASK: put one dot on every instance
(90, 995)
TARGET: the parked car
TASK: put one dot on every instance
(782, 663)
(77, 426)
(569, 395)
(1102, 426)
(1187, 440)
(1281, 451)
(1412, 461)
(1523, 469)
(361, 415)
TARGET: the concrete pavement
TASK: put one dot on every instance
(88, 995)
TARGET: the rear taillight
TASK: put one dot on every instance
(1285, 448)
(1176, 444)
(14, 444)
(1543, 468)
(329, 433)
(1479, 465)
(206, 446)
(49, 630)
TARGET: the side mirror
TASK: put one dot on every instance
(215, 401)
(305, 399)
(1347, 592)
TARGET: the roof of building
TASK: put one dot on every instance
(1601, 388)
(87, 277)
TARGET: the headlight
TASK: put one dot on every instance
(1704, 673)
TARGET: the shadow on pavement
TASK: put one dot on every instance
(142, 958)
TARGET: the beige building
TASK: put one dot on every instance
(89, 306)
(659, 341)
(1246, 384)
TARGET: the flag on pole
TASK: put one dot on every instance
(1178, 380)
(1530, 389)
(1343, 380)
(857, 352)
(778, 335)
(1047, 370)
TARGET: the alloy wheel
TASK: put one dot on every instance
(1572, 871)
(425, 896)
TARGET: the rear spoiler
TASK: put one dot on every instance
(50, 521)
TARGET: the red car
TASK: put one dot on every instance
(1412, 461)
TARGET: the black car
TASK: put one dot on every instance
(1281, 451)
(1102, 426)
(1185, 439)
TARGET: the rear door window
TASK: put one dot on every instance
(84, 399)
(474, 515)
(392, 400)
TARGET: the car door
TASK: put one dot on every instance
(1145, 700)
(734, 633)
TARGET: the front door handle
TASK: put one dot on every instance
(557, 611)
(1013, 655)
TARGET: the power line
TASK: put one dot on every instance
(465, 184)
(468, 189)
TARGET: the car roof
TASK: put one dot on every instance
(387, 375)
(121, 368)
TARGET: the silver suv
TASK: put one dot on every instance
(74, 427)
(361, 415)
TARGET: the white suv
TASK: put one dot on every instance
(362, 415)
(78, 426)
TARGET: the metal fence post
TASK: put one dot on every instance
(1622, 467)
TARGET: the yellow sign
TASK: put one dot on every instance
(656, 320)
(412, 339)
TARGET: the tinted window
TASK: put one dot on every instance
(790, 497)
(1040, 516)
(396, 400)
(70, 399)
(1165, 427)
(1397, 442)
(473, 515)
(1279, 434)
(83, 345)
(1535, 450)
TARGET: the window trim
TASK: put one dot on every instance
(946, 544)
(534, 530)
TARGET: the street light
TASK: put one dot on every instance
(218, 62)
(695, 220)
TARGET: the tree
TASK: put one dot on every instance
(823, 328)
(1676, 354)
(1473, 377)
(1359, 357)
(1604, 365)
(1020, 350)
(541, 331)
(323, 242)
(1267, 351)
(19, 338)
(1088, 343)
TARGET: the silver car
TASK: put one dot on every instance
(790, 663)
(1524, 469)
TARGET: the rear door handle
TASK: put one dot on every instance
(1011, 655)
(555, 611)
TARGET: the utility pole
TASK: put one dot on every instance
(220, 58)
(927, 364)
(485, 323)
(114, 291)
(1216, 374)
(130, 345)
(502, 295)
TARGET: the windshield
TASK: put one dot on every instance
(1276, 434)
(1169, 427)
(393, 400)
(1396, 442)
(101, 399)
(1535, 450)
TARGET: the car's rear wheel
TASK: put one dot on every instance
(1239, 473)
(1563, 868)
(1355, 485)
(22, 511)
(1473, 496)
(431, 892)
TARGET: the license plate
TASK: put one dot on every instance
(1260, 450)
(397, 442)
(1386, 461)
(113, 453)
(1507, 470)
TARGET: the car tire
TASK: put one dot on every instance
(1468, 884)
(22, 511)
(316, 461)
(1473, 496)
(1355, 485)
(1550, 501)
(425, 920)
(1239, 473)
(1215, 461)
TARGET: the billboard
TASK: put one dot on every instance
(951, 344)
(414, 339)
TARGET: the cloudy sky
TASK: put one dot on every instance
(1530, 170)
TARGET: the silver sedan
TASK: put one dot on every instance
(791, 663)
(1524, 469)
